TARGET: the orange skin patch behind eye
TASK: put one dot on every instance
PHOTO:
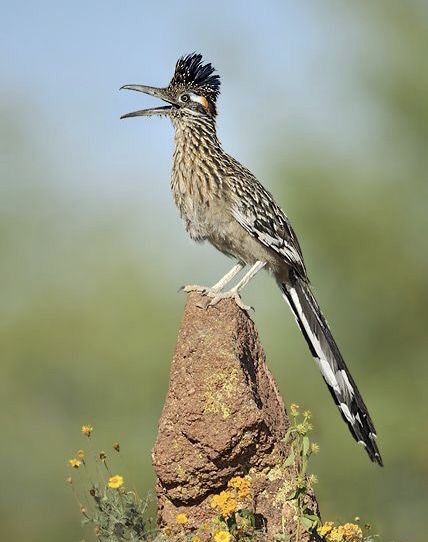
(204, 103)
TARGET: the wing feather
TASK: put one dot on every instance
(257, 212)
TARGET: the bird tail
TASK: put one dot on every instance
(324, 349)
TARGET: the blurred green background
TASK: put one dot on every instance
(327, 104)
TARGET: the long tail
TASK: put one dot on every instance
(342, 387)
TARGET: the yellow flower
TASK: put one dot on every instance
(235, 482)
(242, 485)
(315, 448)
(225, 503)
(115, 482)
(87, 430)
(181, 519)
(352, 532)
(313, 479)
(294, 409)
(196, 539)
(222, 536)
(304, 428)
(301, 428)
(75, 463)
(349, 532)
(325, 528)
(244, 491)
(336, 534)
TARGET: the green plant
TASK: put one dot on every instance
(300, 450)
(117, 513)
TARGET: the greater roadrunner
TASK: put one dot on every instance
(221, 201)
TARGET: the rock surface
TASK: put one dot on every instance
(223, 417)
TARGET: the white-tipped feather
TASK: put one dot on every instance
(346, 380)
(347, 413)
(323, 364)
(308, 316)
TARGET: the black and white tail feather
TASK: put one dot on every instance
(339, 380)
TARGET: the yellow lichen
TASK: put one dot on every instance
(220, 390)
(275, 473)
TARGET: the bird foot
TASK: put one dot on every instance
(231, 294)
(216, 296)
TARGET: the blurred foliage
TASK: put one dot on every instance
(87, 330)
(365, 230)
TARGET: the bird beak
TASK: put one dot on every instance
(152, 91)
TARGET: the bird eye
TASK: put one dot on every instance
(184, 98)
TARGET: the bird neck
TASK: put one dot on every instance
(195, 135)
(197, 163)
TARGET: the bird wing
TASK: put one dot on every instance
(256, 211)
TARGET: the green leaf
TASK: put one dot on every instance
(309, 521)
(248, 516)
(305, 445)
(313, 517)
(306, 522)
(290, 459)
(286, 436)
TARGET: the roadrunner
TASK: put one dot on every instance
(222, 202)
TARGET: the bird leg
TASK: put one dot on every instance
(234, 292)
(218, 286)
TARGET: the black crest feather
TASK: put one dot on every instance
(191, 72)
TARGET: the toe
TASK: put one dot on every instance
(214, 300)
(241, 304)
(194, 288)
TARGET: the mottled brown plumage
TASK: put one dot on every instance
(222, 202)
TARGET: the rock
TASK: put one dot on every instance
(223, 417)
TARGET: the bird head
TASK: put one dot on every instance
(193, 90)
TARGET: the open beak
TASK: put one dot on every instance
(152, 91)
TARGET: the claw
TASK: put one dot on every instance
(218, 296)
(204, 304)
(215, 296)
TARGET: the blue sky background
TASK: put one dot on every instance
(297, 58)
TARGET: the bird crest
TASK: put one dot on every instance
(192, 74)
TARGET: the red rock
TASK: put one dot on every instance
(223, 417)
